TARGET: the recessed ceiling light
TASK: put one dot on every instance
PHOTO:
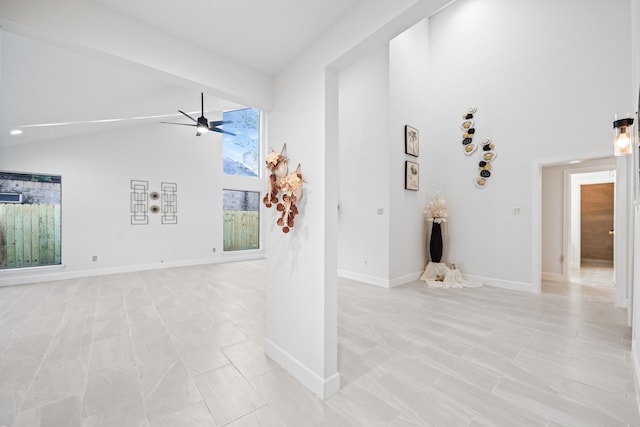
(15, 132)
(573, 162)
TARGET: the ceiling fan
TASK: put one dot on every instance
(202, 125)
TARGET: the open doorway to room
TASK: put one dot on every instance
(591, 230)
(578, 211)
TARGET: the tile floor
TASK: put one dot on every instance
(182, 347)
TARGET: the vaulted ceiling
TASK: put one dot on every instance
(44, 82)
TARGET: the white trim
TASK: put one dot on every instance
(321, 387)
(553, 277)
(359, 277)
(376, 281)
(402, 280)
(623, 227)
(536, 226)
(23, 277)
(503, 284)
(35, 269)
(636, 370)
(574, 178)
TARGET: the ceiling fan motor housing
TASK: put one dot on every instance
(203, 125)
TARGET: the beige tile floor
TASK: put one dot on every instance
(182, 347)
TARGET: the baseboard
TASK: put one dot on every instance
(376, 281)
(402, 280)
(358, 277)
(503, 284)
(52, 273)
(636, 369)
(553, 277)
(596, 262)
(321, 387)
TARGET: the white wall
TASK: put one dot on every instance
(542, 91)
(96, 173)
(364, 161)
(302, 266)
(379, 95)
(410, 78)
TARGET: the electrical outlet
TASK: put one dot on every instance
(94, 258)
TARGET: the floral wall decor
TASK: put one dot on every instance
(487, 154)
(283, 184)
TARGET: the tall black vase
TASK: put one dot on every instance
(435, 243)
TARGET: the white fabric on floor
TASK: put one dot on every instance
(448, 278)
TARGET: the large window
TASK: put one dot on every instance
(241, 153)
(30, 230)
(241, 167)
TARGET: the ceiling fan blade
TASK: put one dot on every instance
(220, 122)
(87, 122)
(181, 124)
(215, 129)
(180, 111)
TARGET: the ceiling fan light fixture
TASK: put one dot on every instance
(203, 126)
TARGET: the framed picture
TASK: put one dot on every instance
(411, 175)
(411, 141)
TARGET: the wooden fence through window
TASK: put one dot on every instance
(241, 230)
(29, 235)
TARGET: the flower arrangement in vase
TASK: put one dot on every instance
(436, 212)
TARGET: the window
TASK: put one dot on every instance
(30, 227)
(241, 153)
(241, 158)
(241, 216)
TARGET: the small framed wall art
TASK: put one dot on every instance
(411, 175)
(411, 141)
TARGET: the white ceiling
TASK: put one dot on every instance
(42, 84)
(263, 34)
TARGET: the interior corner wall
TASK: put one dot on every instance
(97, 170)
(409, 75)
(363, 227)
(526, 82)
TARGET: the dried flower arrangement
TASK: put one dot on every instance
(290, 184)
(436, 210)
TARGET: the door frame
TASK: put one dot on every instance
(574, 179)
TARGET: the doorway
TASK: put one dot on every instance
(591, 242)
